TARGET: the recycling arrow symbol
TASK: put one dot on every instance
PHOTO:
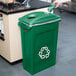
(43, 56)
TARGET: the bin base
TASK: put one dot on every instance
(40, 70)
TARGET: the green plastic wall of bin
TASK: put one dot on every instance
(39, 31)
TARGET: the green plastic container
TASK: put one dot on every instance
(39, 32)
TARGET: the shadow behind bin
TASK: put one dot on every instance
(39, 31)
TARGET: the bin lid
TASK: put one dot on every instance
(39, 18)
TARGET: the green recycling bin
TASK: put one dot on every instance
(39, 32)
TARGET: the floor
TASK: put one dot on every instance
(66, 53)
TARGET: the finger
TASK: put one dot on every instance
(56, 4)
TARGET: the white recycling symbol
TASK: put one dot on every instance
(41, 53)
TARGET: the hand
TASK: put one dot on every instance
(56, 4)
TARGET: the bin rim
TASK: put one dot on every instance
(40, 23)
